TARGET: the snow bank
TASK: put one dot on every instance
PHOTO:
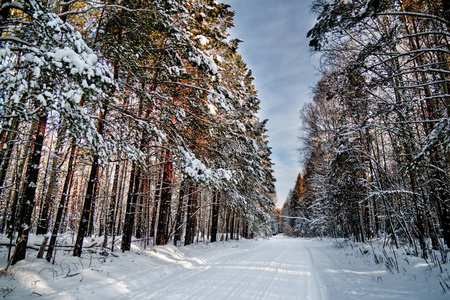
(100, 273)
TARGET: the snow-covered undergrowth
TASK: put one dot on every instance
(99, 272)
(399, 267)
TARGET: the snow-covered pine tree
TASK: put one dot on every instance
(33, 52)
(398, 51)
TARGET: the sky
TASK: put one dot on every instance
(276, 49)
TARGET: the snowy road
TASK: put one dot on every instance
(287, 268)
(280, 268)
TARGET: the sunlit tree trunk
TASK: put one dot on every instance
(45, 214)
(191, 222)
(62, 202)
(89, 199)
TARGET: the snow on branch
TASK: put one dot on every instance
(15, 40)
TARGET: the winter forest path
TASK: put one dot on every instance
(279, 268)
(266, 269)
(286, 268)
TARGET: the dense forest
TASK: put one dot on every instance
(132, 120)
(376, 136)
(136, 121)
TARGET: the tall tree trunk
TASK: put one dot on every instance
(8, 138)
(131, 208)
(90, 190)
(28, 200)
(191, 222)
(146, 206)
(62, 202)
(90, 230)
(85, 213)
(215, 217)
(109, 226)
(179, 217)
(227, 215)
(165, 202)
(156, 200)
(19, 185)
(232, 225)
(7, 208)
(44, 217)
(139, 216)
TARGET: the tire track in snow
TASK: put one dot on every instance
(317, 286)
(238, 272)
(260, 278)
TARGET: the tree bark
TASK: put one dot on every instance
(191, 222)
(62, 202)
(89, 198)
(232, 225)
(28, 200)
(179, 217)
(131, 208)
(109, 226)
(90, 230)
(5, 156)
(45, 214)
(165, 202)
(215, 217)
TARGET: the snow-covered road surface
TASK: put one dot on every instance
(280, 268)
(287, 268)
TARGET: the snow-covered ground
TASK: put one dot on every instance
(276, 268)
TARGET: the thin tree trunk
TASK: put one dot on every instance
(96, 192)
(158, 190)
(227, 224)
(131, 208)
(119, 205)
(165, 202)
(191, 222)
(6, 155)
(232, 225)
(43, 222)
(19, 186)
(89, 199)
(139, 217)
(85, 213)
(62, 202)
(215, 217)
(109, 226)
(28, 201)
(179, 217)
